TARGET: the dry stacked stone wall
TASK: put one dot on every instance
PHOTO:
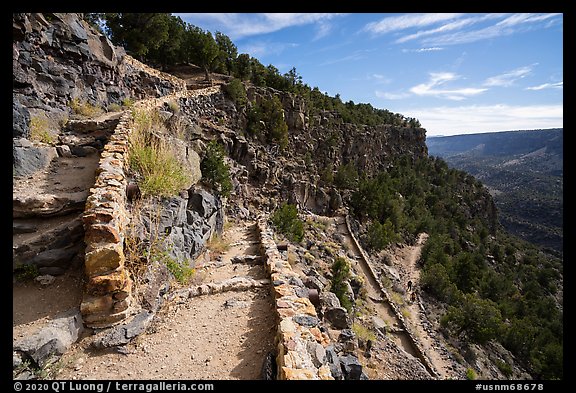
(300, 342)
(107, 298)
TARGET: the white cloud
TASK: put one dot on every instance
(391, 96)
(439, 79)
(512, 24)
(559, 85)
(322, 30)
(395, 23)
(444, 28)
(447, 120)
(243, 25)
(420, 50)
(263, 48)
(508, 78)
(356, 55)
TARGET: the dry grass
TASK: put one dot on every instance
(363, 332)
(85, 109)
(217, 244)
(152, 157)
(41, 129)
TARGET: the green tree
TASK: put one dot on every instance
(214, 169)
(243, 67)
(380, 235)
(340, 275)
(237, 93)
(228, 52)
(259, 72)
(477, 320)
(138, 33)
(346, 176)
(267, 119)
(201, 49)
(170, 52)
(286, 220)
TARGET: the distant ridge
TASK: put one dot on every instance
(497, 143)
(524, 172)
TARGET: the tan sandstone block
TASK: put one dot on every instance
(113, 282)
(96, 304)
(98, 233)
(104, 259)
(104, 320)
(298, 374)
(324, 373)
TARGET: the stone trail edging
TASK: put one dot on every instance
(107, 297)
(298, 335)
(412, 337)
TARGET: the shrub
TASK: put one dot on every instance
(363, 332)
(268, 119)
(27, 272)
(181, 271)
(470, 374)
(85, 108)
(149, 155)
(173, 106)
(215, 171)
(114, 107)
(236, 92)
(346, 176)
(504, 367)
(478, 320)
(380, 235)
(340, 275)
(286, 220)
(127, 102)
(40, 130)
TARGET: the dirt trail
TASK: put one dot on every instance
(406, 260)
(219, 336)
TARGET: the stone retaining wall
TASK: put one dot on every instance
(300, 342)
(107, 298)
(407, 330)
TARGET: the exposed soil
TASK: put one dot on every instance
(405, 259)
(33, 304)
(219, 336)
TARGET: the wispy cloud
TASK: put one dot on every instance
(396, 23)
(355, 56)
(559, 85)
(436, 30)
(243, 25)
(322, 30)
(421, 50)
(508, 78)
(442, 29)
(510, 25)
(264, 48)
(447, 120)
(437, 79)
(391, 96)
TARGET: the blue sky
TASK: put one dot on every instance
(456, 73)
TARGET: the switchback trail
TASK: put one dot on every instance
(217, 336)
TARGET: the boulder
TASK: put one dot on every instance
(351, 367)
(52, 341)
(338, 317)
(28, 158)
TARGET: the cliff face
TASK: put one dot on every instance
(57, 58)
(267, 175)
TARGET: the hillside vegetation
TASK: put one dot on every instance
(494, 286)
(524, 172)
(273, 146)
